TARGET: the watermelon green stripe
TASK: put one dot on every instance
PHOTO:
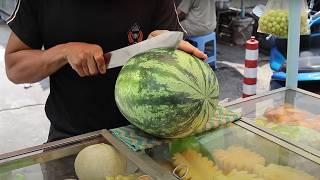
(188, 123)
(213, 88)
(184, 72)
(173, 76)
(188, 74)
(169, 76)
(167, 92)
(156, 70)
(204, 76)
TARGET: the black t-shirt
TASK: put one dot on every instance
(79, 105)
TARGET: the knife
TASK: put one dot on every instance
(120, 57)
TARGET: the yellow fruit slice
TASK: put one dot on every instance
(239, 158)
(238, 175)
(194, 166)
(276, 172)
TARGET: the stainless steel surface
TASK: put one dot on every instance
(169, 39)
(52, 145)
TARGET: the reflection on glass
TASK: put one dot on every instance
(233, 152)
(289, 114)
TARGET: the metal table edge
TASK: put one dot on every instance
(140, 158)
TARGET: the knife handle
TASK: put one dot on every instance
(107, 57)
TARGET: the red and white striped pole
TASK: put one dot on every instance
(250, 71)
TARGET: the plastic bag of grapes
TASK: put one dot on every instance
(275, 18)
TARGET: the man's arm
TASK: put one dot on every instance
(26, 65)
(184, 8)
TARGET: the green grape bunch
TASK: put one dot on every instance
(276, 22)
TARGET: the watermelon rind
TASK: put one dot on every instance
(167, 92)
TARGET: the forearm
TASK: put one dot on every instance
(29, 66)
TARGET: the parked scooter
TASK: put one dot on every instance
(309, 60)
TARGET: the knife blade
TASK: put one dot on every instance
(120, 57)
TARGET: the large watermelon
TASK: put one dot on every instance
(167, 92)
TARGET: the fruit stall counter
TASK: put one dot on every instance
(93, 156)
(277, 138)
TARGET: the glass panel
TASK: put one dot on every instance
(62, 168)
(291, 115)
(53, 163)
(256, 107)
(235, 151)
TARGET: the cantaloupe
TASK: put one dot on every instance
(97, 161)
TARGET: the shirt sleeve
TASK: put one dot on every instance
(165, 17)
(185, 6)
(24, 22)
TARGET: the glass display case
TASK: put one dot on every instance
(251, 148)
(291, 115)
(56, 160)
(234, 152)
